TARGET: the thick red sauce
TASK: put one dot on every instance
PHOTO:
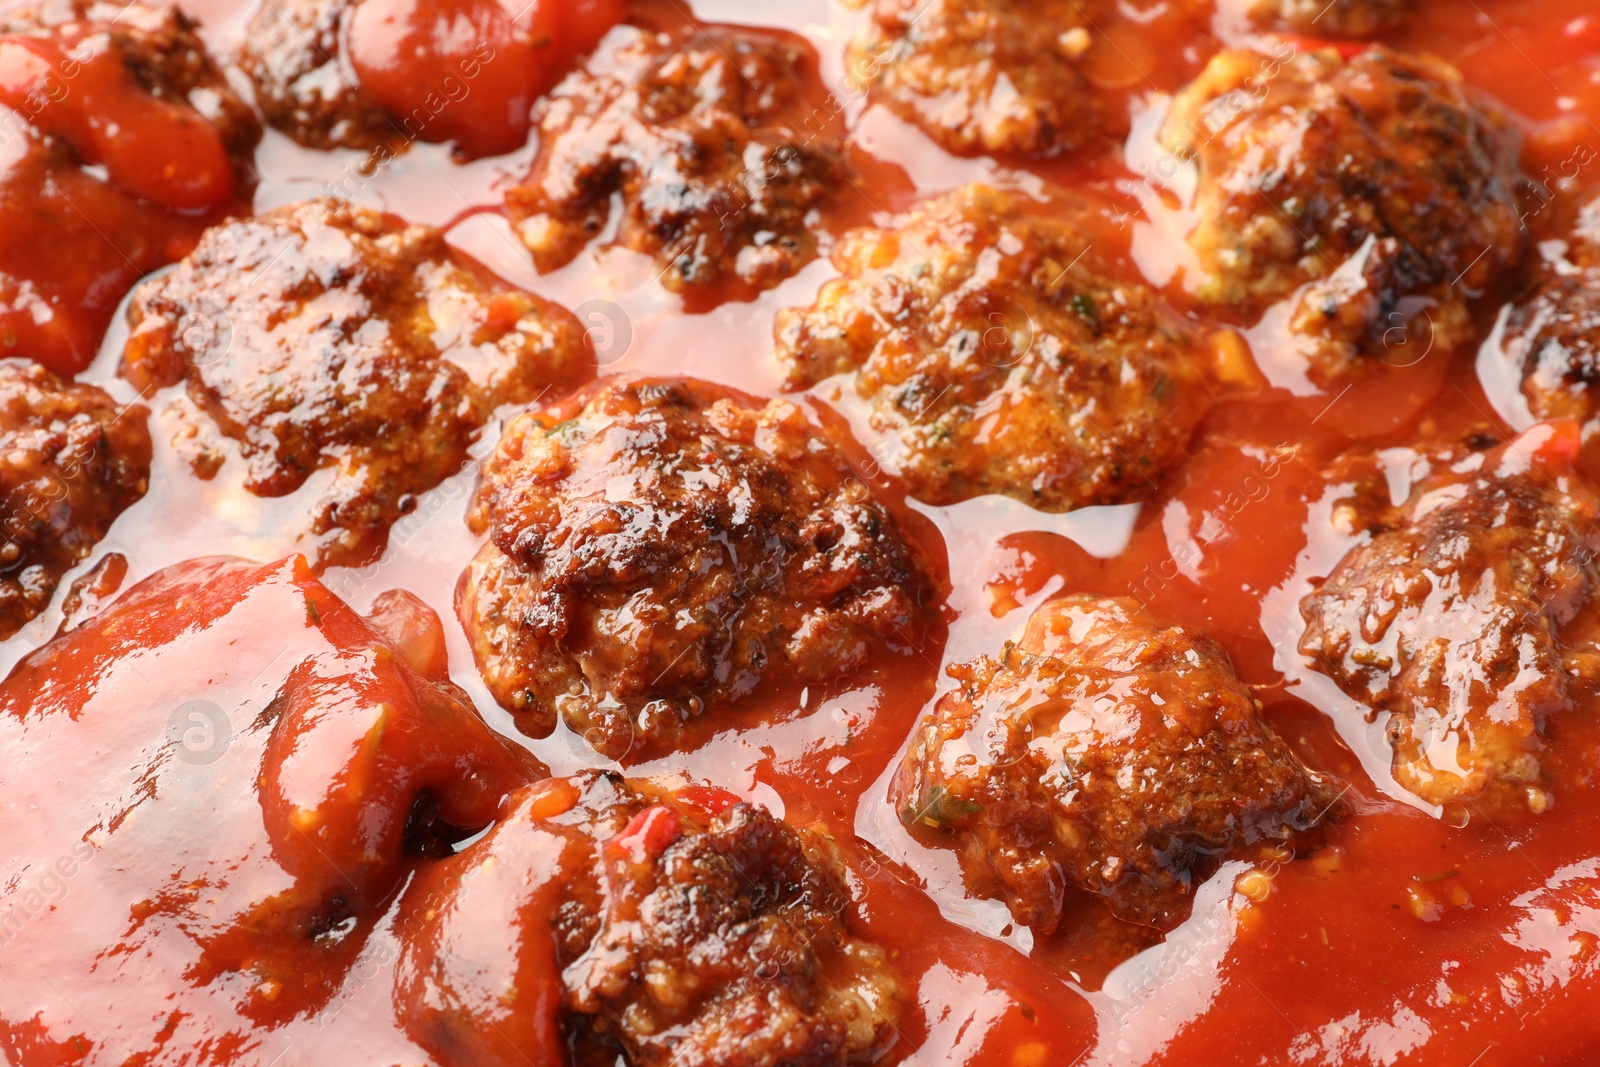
(1407, 939)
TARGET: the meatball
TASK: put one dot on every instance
(688, 929)
(697, 134)
(123, 141)
(1103, 752)
(1378, 193)
(667, 549)
(986, 75)
(1465, 619)
(1336, 18)
(71, 461)
(326, 338)
(999, 355)
(294, 55)
(1553, 333)
(380, 74)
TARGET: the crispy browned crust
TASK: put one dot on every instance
(325, 337)
(668, 549)
(71, 461)
(999, 356)
(1379, 193)
(1465, 617)
(997, 76)
(701, 136)
(682, 936)
(1107, 755)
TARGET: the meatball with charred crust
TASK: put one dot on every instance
(71, 461)
(1104, 754)
(323, 337)
(1466, 620)
(680, 926)
(123, 142)
(1335, 18)
(700, 134)
(1553, 333)
(997, 76)
(1376, 195)
(667, 549)
(999, 354)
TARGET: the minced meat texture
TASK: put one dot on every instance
(700, 135)
(667, 549)
(1553, 333)
(1000, 355)
(997, 76)
(71, 461)
(1336, 18)
(1466, 614)
(305, 87)
(1378, 193)
(689, 930)
(1104, 754)
(323, 337)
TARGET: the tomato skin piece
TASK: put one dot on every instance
(469, 71)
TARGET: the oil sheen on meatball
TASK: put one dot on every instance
(680, 926)
(71, 461)
(1553, 333)
(997, 76)
(326, 338)
(1335, 18)
(1105, 754)
(998, 354)
(294, 55)
(1377, 194)
(662, 548)
(1464, 622)
(700, 136)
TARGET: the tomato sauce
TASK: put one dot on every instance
(1412, 936)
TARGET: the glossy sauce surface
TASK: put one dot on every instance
(1406, 939)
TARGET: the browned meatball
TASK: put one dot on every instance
(1000, 355)
(71, 460)
(1104, 754)
(1466, 615)
(322, 337)
(986, 75)
(1553, 333)
(667, 549)
(688, 929)
(699, 136)
(305, 87)
(1378, 193)
(1336, 18)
